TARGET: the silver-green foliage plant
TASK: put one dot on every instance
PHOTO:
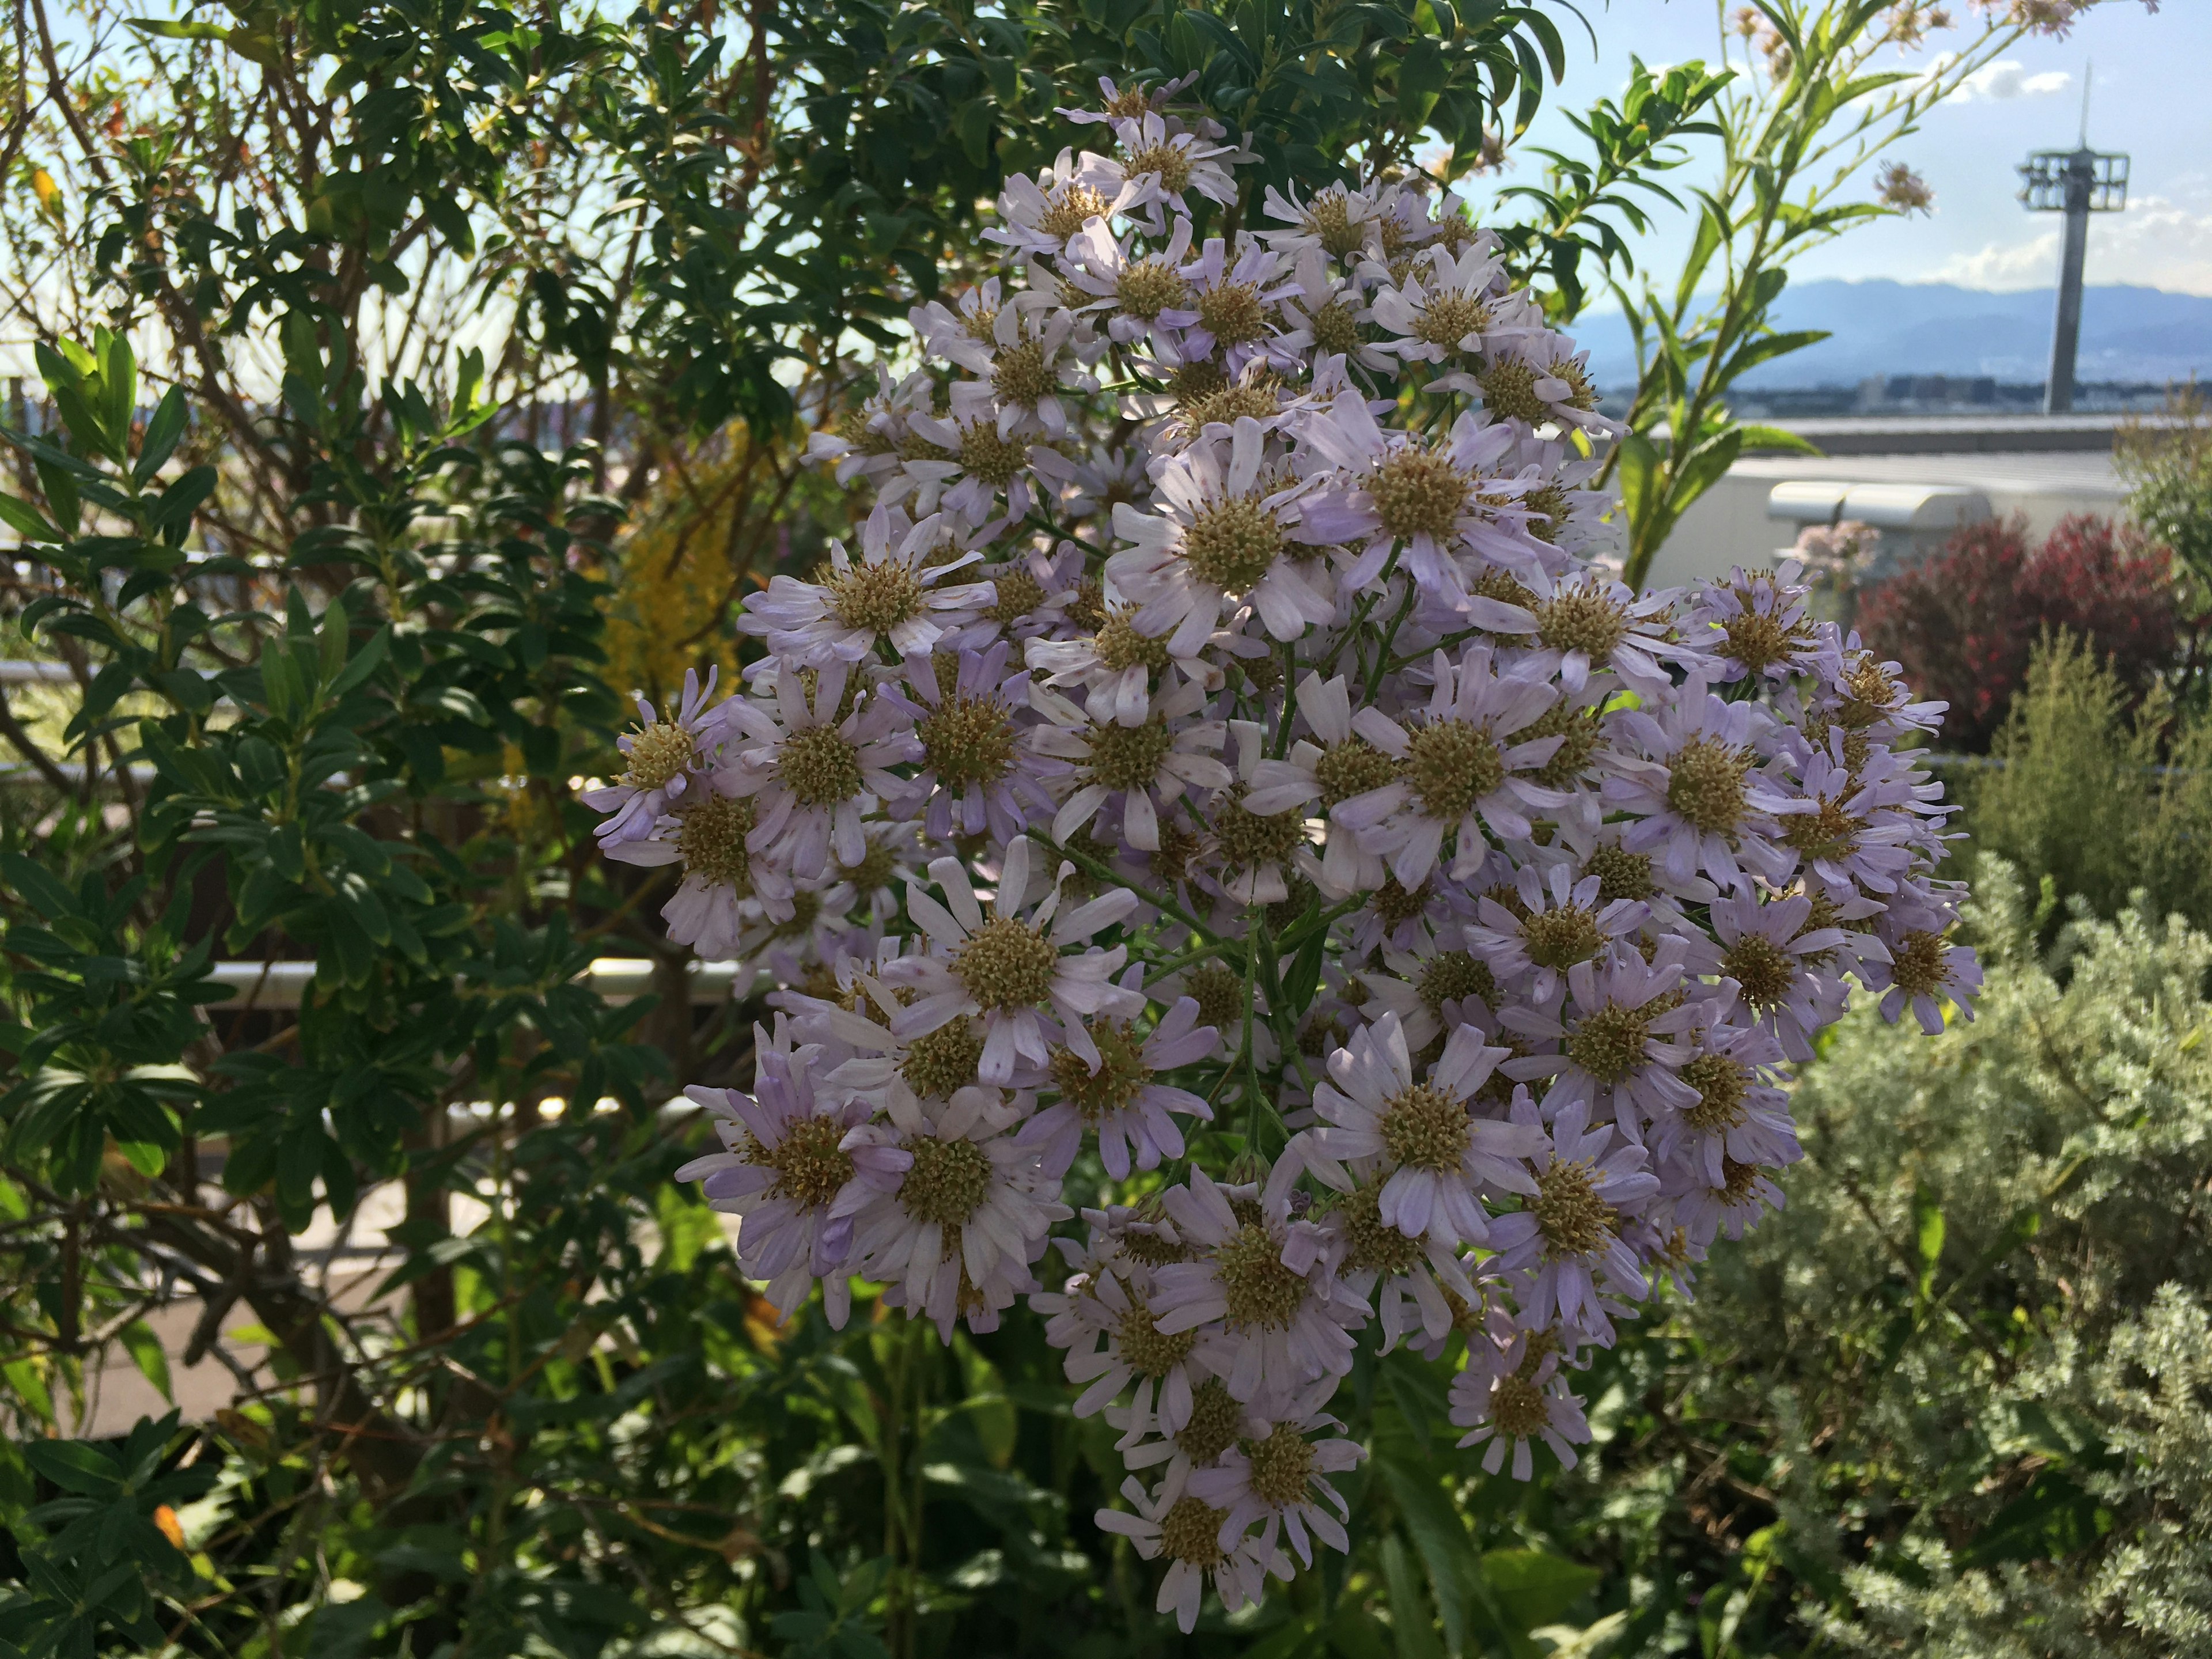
(1968, 1367)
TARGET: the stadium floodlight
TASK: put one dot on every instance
(2077, 182)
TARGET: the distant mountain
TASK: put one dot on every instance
(1881, 327)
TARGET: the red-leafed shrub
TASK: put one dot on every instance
(1963, 621)
(2113, 589)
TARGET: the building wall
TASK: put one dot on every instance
(1729, 525)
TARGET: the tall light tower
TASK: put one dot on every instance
(2077, 183)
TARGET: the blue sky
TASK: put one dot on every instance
(2147, 98)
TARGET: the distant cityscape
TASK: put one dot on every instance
(1947, 394)
(1935, 348)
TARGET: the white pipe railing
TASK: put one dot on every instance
(267, 985)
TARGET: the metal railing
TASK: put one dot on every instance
(278, 985)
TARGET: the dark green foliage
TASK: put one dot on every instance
(331, 605)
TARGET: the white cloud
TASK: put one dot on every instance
(2155, 243)
(2030, 264)
(1994, 82)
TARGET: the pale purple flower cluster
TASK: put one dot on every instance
(1230, 793)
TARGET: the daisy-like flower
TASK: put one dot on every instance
(816, 931)
(1337, 221)
(1557, 922)
(1145, 766)
(1446, 311)
(891, 595)
(1253, 853)
(1037, 357)
(1233, 295)
(1029, 591)
(1418, 1286)
(1143, 297)
(1092, 485)
(1703, 803)
(1113, 1346)
(880, 874)
(1224, 1001)
(1924, 970)
(1565, 518)
(1615, 1034)
(723, 887)
(1270, 1315)
(1428, 988)
(1224, 533)
(1276, 1478)
(782, 1170)
(1761, 626)
(1583, 624)
(960, 1207)
(1740, 1116)
(1114, 666)
(1331, 765)
(1437, 1158)
(932, 1065)
(810, 771)
(867, 442)
(1166, 164)
(1117, 1096)
(1859, 826)
(1028, 974)
(1326, 315)
(1039, 215)
(1399, 919)
(1537, 379)
(1460, 768)
(963, 334)
(666, 760)
(1119, 103)
(1730, 1207)
(1517, 1400)
(970, 464)
(1400, 495)
(1768, 951)
(1187, 1531)
(980, 768)
(1568, 1235)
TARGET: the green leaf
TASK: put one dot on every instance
(27, 520)
(971, 126)
(1928, 1236)
(75, 1467)
(2054, 1517)
(163, 431)
(33, 882)
(1421, 75)
(164, 28)
(1410, 1627)
(1640, 478)
(1535, 1587)
(1758, 436)
(1440, 1537)
(24, 1382)
(1707, 465)
(146, 1353)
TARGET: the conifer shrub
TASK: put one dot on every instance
(2097, 798)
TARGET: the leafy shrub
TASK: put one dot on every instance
(2107, 584)
(1951, 1401)
(1963, 622)
(2166, 465)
